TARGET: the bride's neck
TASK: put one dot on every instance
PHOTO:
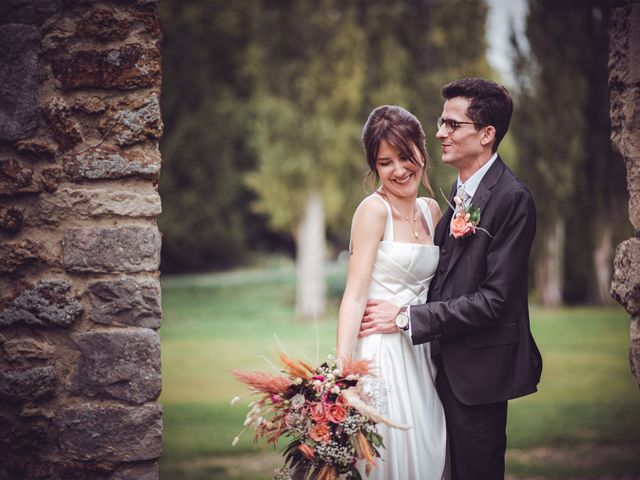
(404, 204)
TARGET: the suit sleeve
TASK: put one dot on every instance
(506, 277)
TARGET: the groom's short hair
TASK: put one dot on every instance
(489, 103)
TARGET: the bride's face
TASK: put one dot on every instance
(399, 175)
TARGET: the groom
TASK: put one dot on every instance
(477, 316)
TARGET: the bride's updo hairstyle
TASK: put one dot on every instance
(401, 129)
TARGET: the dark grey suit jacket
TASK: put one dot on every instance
(477, 313)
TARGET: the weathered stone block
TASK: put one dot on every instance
(65, 129)
(19, 434)
(128, 67)
(32, 12)
(20, 254)
(126, 302)
(122, 364)
(18, 80)
(619, 33)
(127, 249)
(112, 162)
(16, 178)
(634, 44)
(103, 25)
(133, 121)
(49, 178)
(634, 347)
(143, 201)
(147, 471)
(89, 104)
(10, 219)
(25, 349)
(625, 285)
(39, 147)
(30, 384)
(111, 432)
(46, 304)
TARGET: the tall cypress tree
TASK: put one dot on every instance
(561, 128)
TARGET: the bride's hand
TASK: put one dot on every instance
(379, 317)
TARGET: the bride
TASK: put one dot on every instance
(393, 258)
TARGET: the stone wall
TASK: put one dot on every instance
(624, 85)
(79, 246)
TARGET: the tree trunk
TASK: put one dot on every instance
(310, 246)
(550, 265)
(603, 262)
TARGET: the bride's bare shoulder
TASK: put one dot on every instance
(436, 213)
(372, 211)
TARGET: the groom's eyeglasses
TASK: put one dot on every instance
(452, 125)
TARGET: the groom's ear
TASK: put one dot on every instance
(488, 135)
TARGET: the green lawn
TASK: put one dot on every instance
(583, 423)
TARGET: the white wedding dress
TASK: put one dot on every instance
(403, 388)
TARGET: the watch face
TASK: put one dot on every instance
(402, 320)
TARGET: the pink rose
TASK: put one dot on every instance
(317, 412)
(336, 413)
(320, 433)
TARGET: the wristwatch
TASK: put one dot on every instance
(402, 318)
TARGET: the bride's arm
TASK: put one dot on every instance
(367, 230)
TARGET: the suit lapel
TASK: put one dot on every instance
(479, 200)
(442, 229)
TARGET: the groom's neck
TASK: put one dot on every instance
(466, 171)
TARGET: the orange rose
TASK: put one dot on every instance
(317, 412)
(461, 227)
(336, 414)
(320, 433)
(307, 451)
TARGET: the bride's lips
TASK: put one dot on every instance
(405, 180)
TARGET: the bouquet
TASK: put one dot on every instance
(327, 418)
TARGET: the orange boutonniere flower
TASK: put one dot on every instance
(465, 221)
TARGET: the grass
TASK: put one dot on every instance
(583, 422)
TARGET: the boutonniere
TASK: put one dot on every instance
(465, 221)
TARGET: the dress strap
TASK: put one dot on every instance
(388, 231)
(426, 212)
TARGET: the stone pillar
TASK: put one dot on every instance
(79, 246)
(624, 85)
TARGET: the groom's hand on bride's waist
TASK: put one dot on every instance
(379, 317)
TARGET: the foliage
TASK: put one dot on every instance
(205, 147)
(276, 93)
(307, 71)
(561, 127)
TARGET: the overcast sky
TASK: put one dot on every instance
(501, 14)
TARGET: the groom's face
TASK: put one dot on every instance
(461, 147)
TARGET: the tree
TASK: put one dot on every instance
(205, 147)
(561, 128)
(307, 67)
(414, 47)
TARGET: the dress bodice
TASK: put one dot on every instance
(401, 386)
(402, 271)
